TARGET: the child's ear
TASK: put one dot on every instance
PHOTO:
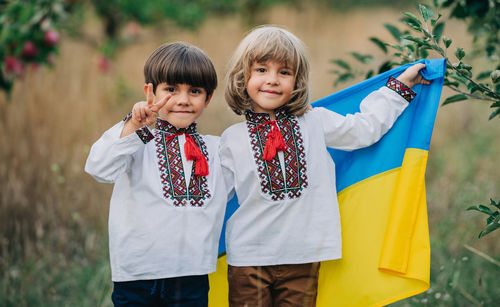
(146, 89)
(209, 97)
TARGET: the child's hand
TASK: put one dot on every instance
(144, 113)
(411, 77)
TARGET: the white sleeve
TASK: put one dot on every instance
(111, 155)
(227, 165)
(378, 112)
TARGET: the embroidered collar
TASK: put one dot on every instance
(259, 118)
(165, 126)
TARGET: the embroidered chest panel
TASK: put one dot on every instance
(171, 168)
(273, 181)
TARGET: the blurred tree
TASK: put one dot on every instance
(29, 29)
(28, 36)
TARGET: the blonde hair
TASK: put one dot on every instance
(262, 44)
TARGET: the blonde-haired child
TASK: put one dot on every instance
(277, 161)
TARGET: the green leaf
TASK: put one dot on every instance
(492, 202)
(379, 43)
(495, 76)
(454, 98)
(471, 87)
(438, 49)
(344, 78)
(423, 53)
(459, 78)
(341, 63)
(424, 12)
(459, 53)
(473, 208)
(394, 31)
(485, 209)
(413, 18)
(489, 229)
(362, 58)
(450, 83)
(494, 113)
(492, 224)
(433, 21)
(412, 24)
(385, 67)
(492, 217)
(447, 41)
(466, 66)
(438, 31)
(369, 74)
(465, 72)
(413, 39)
(483, 75)
(397, 47)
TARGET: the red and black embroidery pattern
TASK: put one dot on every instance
(270, 172)
(171, 168)
(402, 89)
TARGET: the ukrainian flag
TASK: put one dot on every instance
(385, 236)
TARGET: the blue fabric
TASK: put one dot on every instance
(354, 166)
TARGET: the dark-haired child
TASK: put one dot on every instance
(168, 202)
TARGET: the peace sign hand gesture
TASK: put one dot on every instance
(144, 113)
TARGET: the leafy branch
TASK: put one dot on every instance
(493, 219)
(423, 34)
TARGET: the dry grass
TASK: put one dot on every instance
(54, 216)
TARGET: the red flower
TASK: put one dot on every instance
(13, 66)
(29, 50)
(104, 64)
(51, 37)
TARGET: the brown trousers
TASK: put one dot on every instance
(289, 285)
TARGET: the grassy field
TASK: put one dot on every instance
(53, 216)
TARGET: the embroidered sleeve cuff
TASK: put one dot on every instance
(129, 115)
(402, 89)
(144, 134)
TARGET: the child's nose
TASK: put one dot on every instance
(182, 98)
(272, 78)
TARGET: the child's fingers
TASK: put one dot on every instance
(142, 112)
(136, 114)
(150, 95)
(157, 106)
(419, 66)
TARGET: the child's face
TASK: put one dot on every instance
(270, 86)
(185, 106)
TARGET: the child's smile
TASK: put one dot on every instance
(270, 86)
(185, 106)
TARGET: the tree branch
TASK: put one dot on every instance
(471, 95)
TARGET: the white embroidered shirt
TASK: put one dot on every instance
(288, 210)
(164, 221)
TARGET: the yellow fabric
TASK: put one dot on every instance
(386, 252)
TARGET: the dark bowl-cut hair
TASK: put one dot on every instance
(180, 63)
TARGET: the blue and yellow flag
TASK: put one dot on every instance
(385, 237)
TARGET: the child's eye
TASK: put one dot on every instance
(196, 91)
(286, 72)
(260, 69)
(170, 89)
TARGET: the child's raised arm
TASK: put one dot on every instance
(144, 113)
